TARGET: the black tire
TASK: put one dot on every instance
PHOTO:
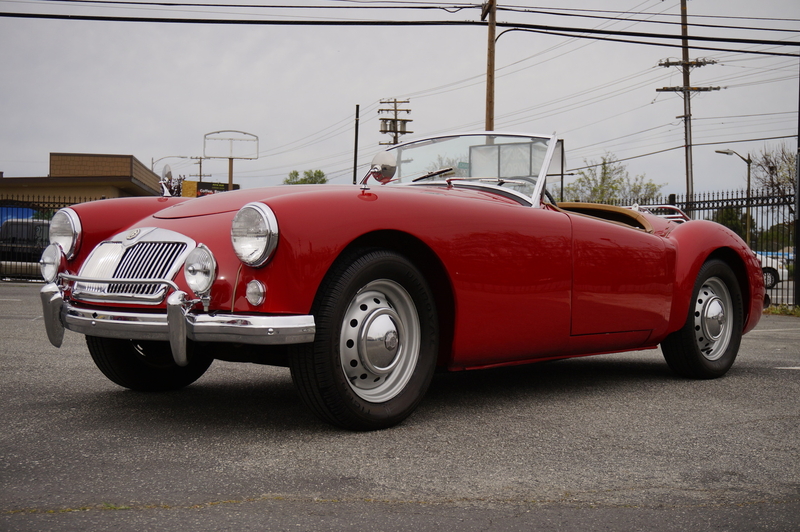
(376, 343)
(770, 277)
(145, 365)
(707, 345)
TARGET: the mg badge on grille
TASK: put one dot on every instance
(133, 234)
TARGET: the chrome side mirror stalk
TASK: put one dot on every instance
(382, 168)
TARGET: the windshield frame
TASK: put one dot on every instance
(535, 199)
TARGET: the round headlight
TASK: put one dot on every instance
(254, 234)
(50, 263)
(65, 230)
(200, 270)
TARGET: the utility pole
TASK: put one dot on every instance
(490, 9)
(797, 218)
(200, 175)
(395, 126)
(355, 148)
(687, 90)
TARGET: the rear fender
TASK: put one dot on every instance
(699, 241)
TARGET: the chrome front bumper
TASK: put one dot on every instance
(176, 326)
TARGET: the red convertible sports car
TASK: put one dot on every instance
(450, 254)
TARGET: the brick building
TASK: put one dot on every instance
(88, 176)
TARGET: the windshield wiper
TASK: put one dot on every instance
(499, 181)
(440, 171)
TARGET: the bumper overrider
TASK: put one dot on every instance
(179, 323)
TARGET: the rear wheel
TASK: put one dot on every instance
(376, 343)
(145, 365)
(707, 345)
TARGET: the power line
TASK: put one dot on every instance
(450, 7)
(747, 116)
(400, 5)
(536, 28)
(567, 32)
(781, 19)
(696, 25)
(681, 147)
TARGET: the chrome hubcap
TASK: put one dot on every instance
(712, 309)
(379, 342)
(713, 321)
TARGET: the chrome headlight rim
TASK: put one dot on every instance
(70, 243)
(52, 262)
(259, 255)
(202, 256)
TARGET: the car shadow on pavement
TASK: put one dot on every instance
(242, 400)
(210, 403)
(568, 377)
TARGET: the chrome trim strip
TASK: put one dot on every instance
(119, 298)
(78, 278)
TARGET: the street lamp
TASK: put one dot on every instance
(154, 161)
(749, 161)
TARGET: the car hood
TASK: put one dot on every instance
(234, 200)
(226, 202)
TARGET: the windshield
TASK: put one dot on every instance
(510, 161)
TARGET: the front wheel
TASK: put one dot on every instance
(145, 365)
(706, 346)
(376, 343)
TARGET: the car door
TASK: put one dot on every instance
(512, 283)
(621, 278)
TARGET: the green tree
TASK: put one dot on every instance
(734, 219)
(310, 177)
(608, 182)
(776, 237)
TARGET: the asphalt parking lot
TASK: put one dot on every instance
(614, 442)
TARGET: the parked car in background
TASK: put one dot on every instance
(23, 239)
(450, 254)
(774, 270)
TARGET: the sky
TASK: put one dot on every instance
(155, 90)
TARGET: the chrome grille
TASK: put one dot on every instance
(144, 255)
(146, 260)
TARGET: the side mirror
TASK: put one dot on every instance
(384, 166)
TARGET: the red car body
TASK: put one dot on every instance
(511, 283)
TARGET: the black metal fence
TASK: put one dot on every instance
(24, 225)
(763, 220)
